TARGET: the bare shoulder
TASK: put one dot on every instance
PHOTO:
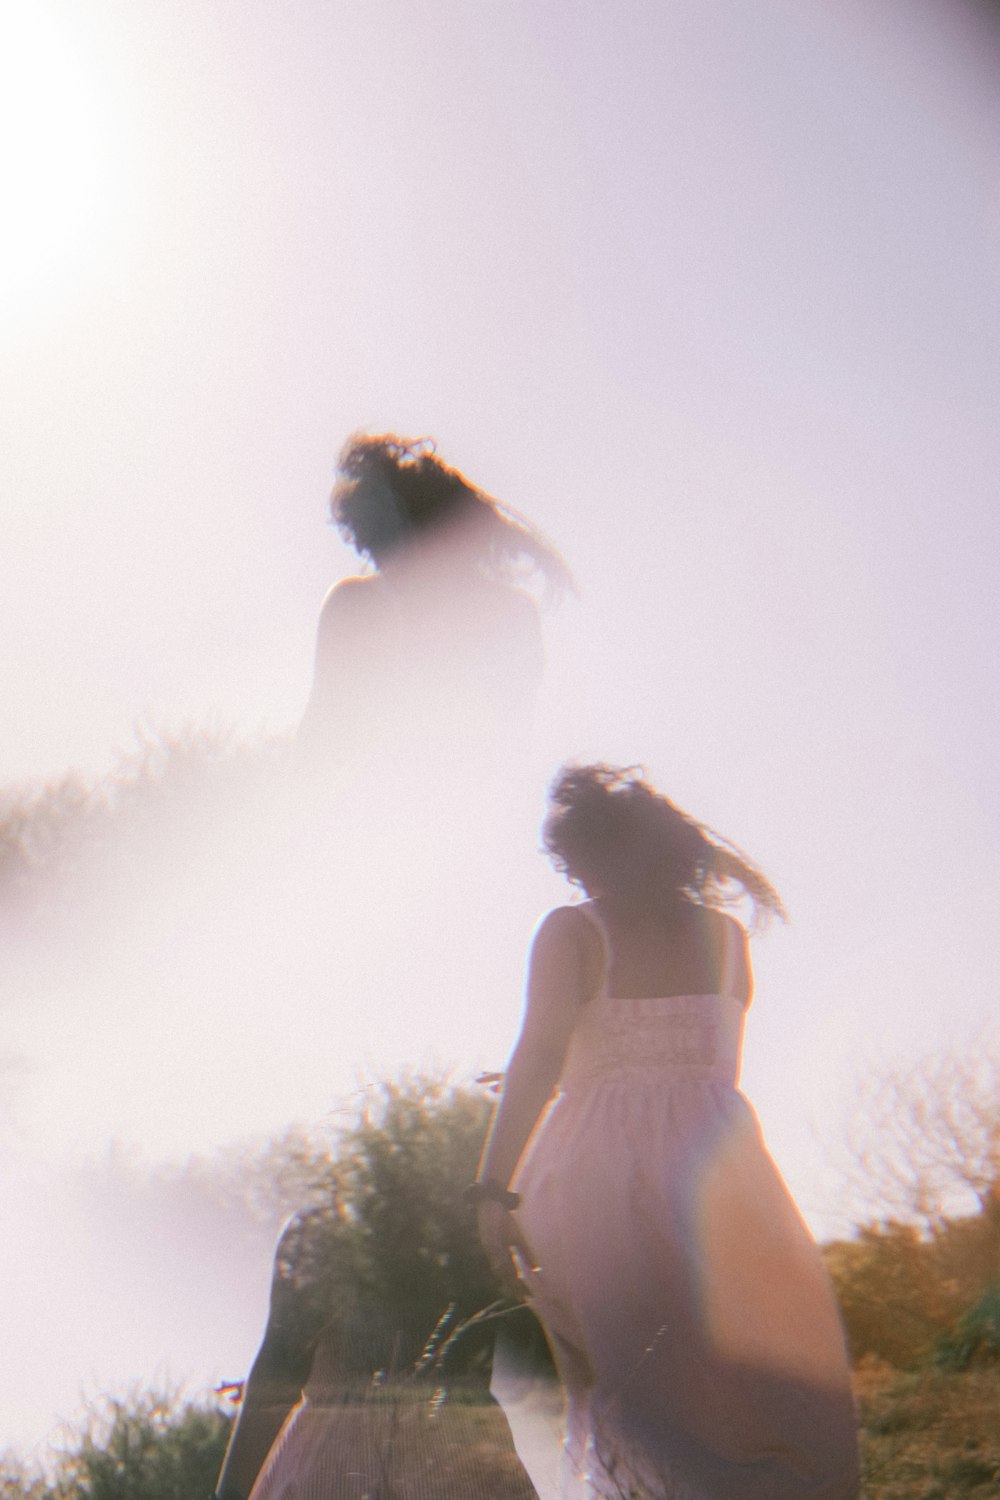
(351, 608)
(729, 928)
(732, 939)
(565, 924)
(559, 977)
(351, 595)
(570, 939)
(728, 932)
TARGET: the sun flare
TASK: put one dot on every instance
(53, 162)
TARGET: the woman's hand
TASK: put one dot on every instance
(504, 1245)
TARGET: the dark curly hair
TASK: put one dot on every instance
(390, 489)
(609, 830)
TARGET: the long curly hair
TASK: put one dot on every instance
(391, 489)
(611, 832)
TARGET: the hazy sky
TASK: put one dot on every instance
(710, 291)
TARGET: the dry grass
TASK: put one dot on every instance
(931, 1434)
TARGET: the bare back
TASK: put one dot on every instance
(649, 955)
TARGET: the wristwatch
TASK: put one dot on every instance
(490, 1191)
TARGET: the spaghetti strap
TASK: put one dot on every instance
(730, 956)
(589, 911)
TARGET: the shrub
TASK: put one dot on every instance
(147, 1446)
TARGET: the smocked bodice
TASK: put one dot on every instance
(655, 1040)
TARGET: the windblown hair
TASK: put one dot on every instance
(391, 489)
(611, 832)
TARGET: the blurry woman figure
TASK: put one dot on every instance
(434, 656)
(411, 760)
(689, 1312)
(341, 1402)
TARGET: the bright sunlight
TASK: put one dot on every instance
(53, 161)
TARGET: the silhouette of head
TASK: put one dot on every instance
(611, 832)
(392, 492)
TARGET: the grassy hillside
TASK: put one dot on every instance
(930, 1434)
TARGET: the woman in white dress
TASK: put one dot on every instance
(695, 1330)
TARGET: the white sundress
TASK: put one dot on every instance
(696, 1332)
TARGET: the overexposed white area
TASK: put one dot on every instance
(710, 292)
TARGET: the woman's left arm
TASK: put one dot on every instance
(272, 1390)
(281, 1368)
(557, 986)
